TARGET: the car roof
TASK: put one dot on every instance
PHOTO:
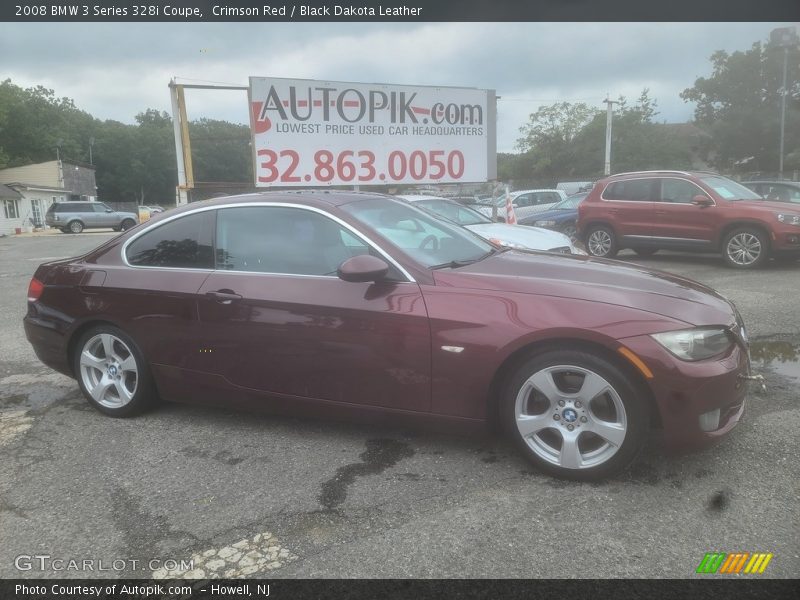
(418, 198)
(317, 198)
(784, 181)
(662, 172)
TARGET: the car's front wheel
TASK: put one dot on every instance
(127, 224)
(112, 372)
(745, 248)
(570, 231)
(601, 241)
(575, 415)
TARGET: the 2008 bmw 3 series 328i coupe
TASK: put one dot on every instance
(358, 305)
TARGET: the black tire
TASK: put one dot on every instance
(75, 226)
(635, 410)
(603, 234)
(143, 388)
(117, 228)
(127, 224)
(570, 230)
(740, 244)
(645, 251)
(64, 230)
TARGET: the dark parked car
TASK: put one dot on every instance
(562, 217)
(74, 217)
(695, 211)
(363, 306)
(776, 191)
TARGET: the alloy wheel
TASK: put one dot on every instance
(108, 370)
(571, 417)
(744, 248)
(571, 232)
(599, 242)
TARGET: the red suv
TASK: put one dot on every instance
(696, 211)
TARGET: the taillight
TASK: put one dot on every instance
(35, 289)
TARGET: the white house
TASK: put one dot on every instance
(27, 192)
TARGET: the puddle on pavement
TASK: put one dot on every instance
(782, 357)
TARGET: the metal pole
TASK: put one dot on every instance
(609, 113)
(783, 112)
(176, 126)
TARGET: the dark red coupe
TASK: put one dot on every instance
(359, 305)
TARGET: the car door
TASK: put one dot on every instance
(85, 212)
(678, 221)
(103, 218)
(630, 207)
(155, 293)
(277, 319)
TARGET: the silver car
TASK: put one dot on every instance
(74, 217)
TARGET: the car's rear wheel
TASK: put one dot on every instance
(127, 224)
(601, 241)
(570, 231)
(75, 227)
(575, 415)
(112, 372)
(745, 248)
(645, 251)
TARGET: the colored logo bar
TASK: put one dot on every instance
(734, 562)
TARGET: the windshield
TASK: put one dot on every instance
(729, 189)
(569, 203)
(425, 238)
(454, 212)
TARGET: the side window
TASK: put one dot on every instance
(98, 207)
(523, 200)
(782, 193)
(678, 191)
(184, 243)
(633, 190)
(292, 241)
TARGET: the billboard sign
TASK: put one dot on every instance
(321, 133)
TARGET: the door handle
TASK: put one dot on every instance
(224, 296)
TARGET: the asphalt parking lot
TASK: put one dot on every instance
(244, 494)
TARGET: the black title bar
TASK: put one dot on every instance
(392, 10)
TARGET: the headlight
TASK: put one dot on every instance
(545, 223)
(507, 244)
(695, 344)
(788, 218)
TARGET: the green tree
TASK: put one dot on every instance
(566, 140)
(739, 105)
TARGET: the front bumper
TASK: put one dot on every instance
(684, 391)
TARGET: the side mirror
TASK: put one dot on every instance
(362, 268)
(701, 200)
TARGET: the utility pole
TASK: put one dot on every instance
(786, 38)
(609, 114)
(91, 143)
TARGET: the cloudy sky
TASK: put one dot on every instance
(115, 70)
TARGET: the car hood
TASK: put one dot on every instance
(554, 213)
(594, 280)
(534, 238)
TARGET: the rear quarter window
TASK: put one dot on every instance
(633, 190)
(186, 242)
